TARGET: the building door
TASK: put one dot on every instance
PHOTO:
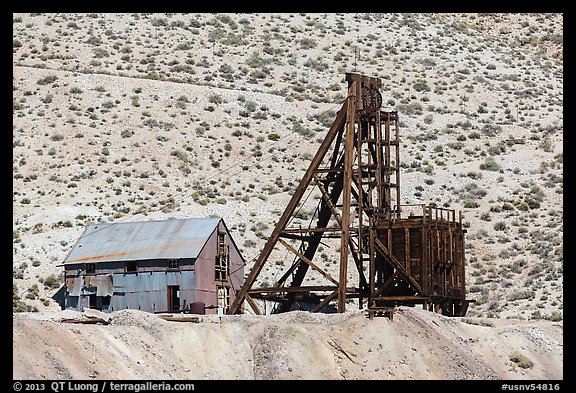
(173, 297)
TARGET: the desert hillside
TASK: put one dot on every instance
(124, 117)
(417, 344)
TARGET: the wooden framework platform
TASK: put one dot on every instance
(410, 259)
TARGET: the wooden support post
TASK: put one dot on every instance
(379, 193)
(389, 240)
(346, 194)
(462, 264)
(444, 260)
(407, 249)
(363, 126)
(372, 251)
(387, 196)
(397, 167)
(424, 260)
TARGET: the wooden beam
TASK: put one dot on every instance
(403, 298)
(386, 284)
(309, 230)
(397, 166)
(337, 125)
(287, 274)
(372, 273)
(397, 265)
(328, 202)
(293, 289)
(324, 302)
(407, 249)
(253, 304)
(309, 262)
(347, 193)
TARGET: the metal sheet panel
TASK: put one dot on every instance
(178, 238)
(147, 291)
(73, 286)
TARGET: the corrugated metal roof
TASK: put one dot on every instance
(166, 239)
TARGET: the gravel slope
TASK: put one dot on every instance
(298, 345)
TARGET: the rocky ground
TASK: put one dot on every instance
(416, 344)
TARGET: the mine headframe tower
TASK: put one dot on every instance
(417, 259)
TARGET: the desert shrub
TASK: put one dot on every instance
(249, 243)
(421, 85)
(100, 53)
(490, 164)
(126, 133)
(521, 360)
(470, 204)
(47, 80)
(159, 22)
(307, 43)
(500, 226)
(57, 137)
(556, 316)
(216, 99)
(490, 129)
(520, 294)
(300, 129)
(17, 304)
(32, 292)
(51, 281)
(326, 118)
(414, 108)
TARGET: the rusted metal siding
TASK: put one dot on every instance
(140, 291)
(114, 267)
(147, 289)
(167, 239)
(206, 283)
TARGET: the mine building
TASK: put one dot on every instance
(178, 265)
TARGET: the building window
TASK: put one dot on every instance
(223, 298)
(221, 268)
(173, 264)
(90, 268)
(131, 267)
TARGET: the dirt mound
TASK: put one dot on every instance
(296, 345)
(135, 318)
